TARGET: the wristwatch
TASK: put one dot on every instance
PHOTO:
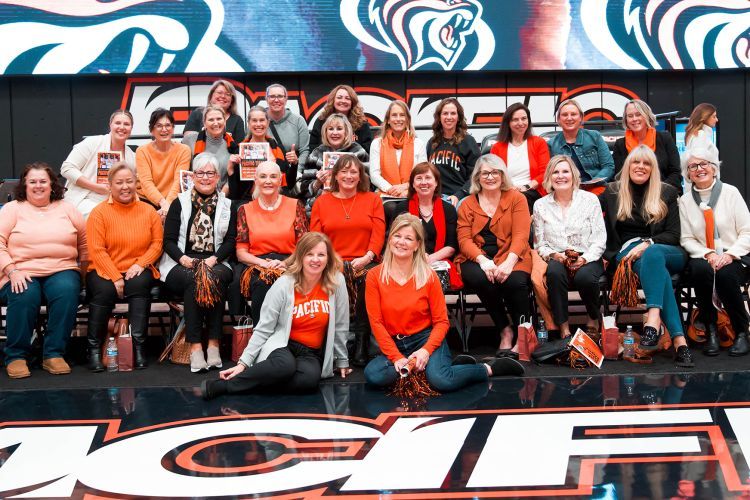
(650, 241)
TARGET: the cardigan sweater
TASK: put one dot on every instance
(731, 217)
(511, 225)
(275, 325)
(82, 162)
(159, 173)
(538, 158)
(41, 241)
(122, 235)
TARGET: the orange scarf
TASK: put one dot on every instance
(392, 171)
(708, 216)
(631, 141)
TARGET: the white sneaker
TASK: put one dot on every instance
(198, 362)
(214, 357)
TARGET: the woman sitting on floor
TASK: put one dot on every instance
(42, 248)
(200, 226)
(303, 329)
(409, 318)
(718, 259)
(643, 227)
(569, 234)
(125, 240)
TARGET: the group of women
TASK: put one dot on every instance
(312, 250)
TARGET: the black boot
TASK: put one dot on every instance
(361, 344)
(740, 346)
(711, 347)
(96, 330)
(139, 309)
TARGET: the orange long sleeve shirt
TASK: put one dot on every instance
(159, 173)
(402, 309)
(122, 235)
(352, 237)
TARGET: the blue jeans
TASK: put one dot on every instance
(654, 269)
(441, 375)
(61, 292)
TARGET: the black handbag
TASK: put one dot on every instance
(551, 351)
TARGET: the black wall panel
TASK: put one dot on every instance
(6, 136)
(670, 92)
(42, 129)
(722, 90)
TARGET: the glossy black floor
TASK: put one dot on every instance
(589, 436)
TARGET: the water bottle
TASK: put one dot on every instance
(541, 334)
(628, 343)
(111, 355)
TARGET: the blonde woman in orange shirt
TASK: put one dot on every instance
(409, 318)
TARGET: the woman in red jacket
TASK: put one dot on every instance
(525, 154)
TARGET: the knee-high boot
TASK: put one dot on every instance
(139, 309)
(96, 330)
(361, 342)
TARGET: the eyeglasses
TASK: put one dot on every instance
(163, 126)
(207, 175)
(489, 174)
(695, 166)
(276, 97)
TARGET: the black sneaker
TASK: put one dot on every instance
(683, 358)
(649, 338)
(506, 366)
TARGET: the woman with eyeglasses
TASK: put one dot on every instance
(643, 226)
(639, 123)
(224, 95)
(200, 226)
(268, 229)
(493, 238)
(159, 162)
(344, 100)
(87, 184)
(715, 224)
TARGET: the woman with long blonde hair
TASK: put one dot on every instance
(643, 227)
(303, 328)
(409, 318)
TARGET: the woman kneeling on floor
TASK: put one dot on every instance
(302, 331)
(409, 318)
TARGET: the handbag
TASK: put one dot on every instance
(610, 337)
(116, 326)
(697, 330)
(241, 336)
(178, 349)
(552, 351)
(527, 342)
(124, 347)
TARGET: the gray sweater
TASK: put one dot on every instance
(292, 130)
(275, 325)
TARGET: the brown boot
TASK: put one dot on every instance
(56, 366)
(18, 369)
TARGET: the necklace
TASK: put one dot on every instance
(307, 299)
(425, 214)
(347, 213)
(272, 206)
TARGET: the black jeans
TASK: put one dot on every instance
(586, 281)
(102, 292)
(729, 282)
(181, 281)
(514, 292)
(294, 368)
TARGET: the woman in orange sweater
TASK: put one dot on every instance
(352, 217)
(268, 229)
(525, 154)
(493, 237)
(159, 163)
(125, 240)
(409, 318)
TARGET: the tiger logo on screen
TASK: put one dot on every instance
(427, 34)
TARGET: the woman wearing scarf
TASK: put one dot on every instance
(200, 226)
(438, 217)
(715, 224)
(214, 139)
(639, 123)
(395, 152)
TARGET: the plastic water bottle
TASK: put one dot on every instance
(111, 355)
(628, 343)
(541, 334)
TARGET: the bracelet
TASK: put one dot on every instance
(11, 272)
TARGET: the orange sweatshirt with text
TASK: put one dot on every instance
(122, 235)
(402, 309)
